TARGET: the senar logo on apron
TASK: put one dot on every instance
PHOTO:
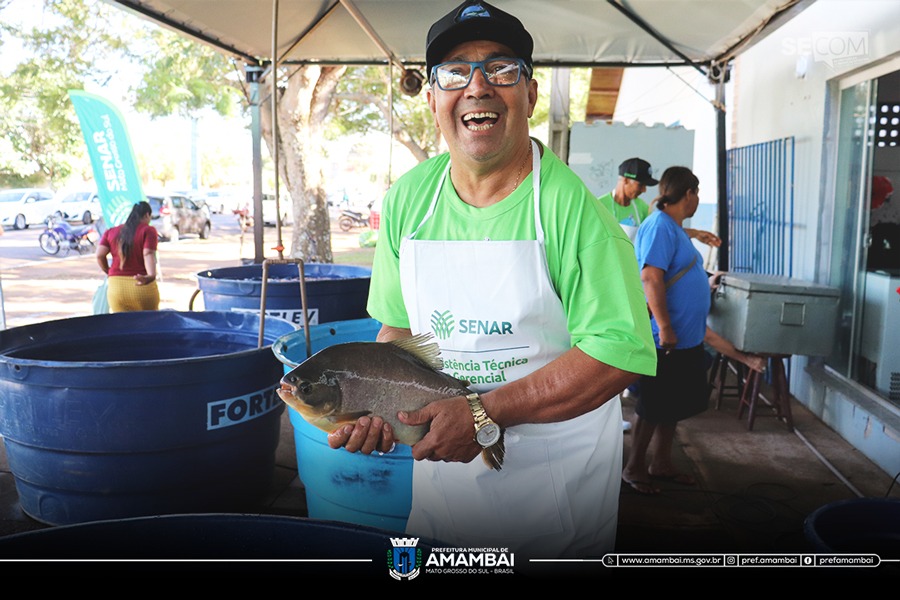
(443, 324)
(512, 326)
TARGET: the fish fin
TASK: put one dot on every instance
(423, 347)
(493, 455)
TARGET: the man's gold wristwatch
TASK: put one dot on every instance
(487, 433)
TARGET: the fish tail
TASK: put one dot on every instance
(493, 455)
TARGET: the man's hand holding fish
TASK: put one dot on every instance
(367, 435)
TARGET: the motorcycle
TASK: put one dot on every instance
(351, 218)
(60, 235)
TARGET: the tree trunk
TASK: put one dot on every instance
(304, 98)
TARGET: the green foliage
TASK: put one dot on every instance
(76, 44)
(184, 78)
(362, 106)
(65, 52)
(579, 86)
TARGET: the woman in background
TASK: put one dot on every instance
(678, 294)
(132, 274)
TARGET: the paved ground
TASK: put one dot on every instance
(37, 287)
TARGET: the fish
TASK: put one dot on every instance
(343, 382)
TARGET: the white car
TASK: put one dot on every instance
(22, 207)
(269, 213)
(79, 205)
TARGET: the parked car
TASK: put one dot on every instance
(220, 202)
(78, 205)
(175, 215)
(269, 212)
(22, 207)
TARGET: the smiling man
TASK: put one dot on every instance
(532, 292)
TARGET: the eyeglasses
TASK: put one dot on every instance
(457, 75)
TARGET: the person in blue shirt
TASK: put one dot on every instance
(678, 295)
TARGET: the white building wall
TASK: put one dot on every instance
(786, 85)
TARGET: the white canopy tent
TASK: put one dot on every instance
(566, 32)
(706, 34)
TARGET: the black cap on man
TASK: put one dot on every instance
(473, 20)
(637, 169)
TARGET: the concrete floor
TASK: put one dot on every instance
(754, 491)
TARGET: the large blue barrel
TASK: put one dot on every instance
(141, 413)
(368, 490)
(333, 292)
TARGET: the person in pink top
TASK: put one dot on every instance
(132, 274)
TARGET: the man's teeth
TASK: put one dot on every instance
(480, 115)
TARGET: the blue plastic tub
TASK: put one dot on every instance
(333, 292)
(142, 413)
(354, 488)
(859, 525)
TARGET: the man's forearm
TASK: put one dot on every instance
(569, 386)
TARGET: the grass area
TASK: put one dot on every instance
(360, 257)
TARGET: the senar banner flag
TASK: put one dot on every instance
(112, 158)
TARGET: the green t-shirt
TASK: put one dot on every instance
(625, 214)
(591, 262)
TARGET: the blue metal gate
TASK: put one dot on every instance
(760, 190)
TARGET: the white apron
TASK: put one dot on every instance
(558, 491)
(631, 230)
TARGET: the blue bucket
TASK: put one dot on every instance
(333, 292)
(368, 490)
(142, 413)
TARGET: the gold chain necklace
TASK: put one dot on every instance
(521, 168)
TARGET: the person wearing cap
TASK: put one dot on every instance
(630, 210)
(624, 202)
(485, 248)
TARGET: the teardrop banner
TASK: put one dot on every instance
(112, 157)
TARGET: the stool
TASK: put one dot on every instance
(718, 375)
(781, 402)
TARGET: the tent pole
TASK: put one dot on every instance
(253, 74)
(2, 308)
(390, 122)
(279, 246)
(722, 166)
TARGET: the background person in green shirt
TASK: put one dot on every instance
(624, 202)
(627, 207)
